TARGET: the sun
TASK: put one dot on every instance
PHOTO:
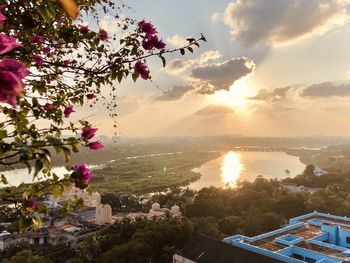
(236, 97)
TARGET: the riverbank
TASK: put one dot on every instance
(150, 173)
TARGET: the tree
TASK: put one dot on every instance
(26, 256)
(50, 64)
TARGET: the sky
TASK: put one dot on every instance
(269, 68)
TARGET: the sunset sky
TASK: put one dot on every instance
(269, 68)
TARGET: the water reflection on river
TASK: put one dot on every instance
(234, 166)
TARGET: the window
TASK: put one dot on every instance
(297, 256)
(347, 239)
(310, 260)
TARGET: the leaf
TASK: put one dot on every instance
(3, 134)
(70, 7)
(182, 51)
(38, 167)
(163, 61)
(3, 179)
(190, 49)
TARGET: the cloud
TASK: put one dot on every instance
(214, 110)
(174, 93)
(220, 76)
(277, 21)
(216, 17)
(177, 66)
(326, 89)
(177, 41)
(271, 95)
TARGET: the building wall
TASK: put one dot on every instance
(103, 214)
(179, 259)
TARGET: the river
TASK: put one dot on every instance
(233, 166)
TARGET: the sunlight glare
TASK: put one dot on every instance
(236, 97)
(231, 169)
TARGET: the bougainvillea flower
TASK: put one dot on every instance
(7, 43)
(38, 60)
(95, 145)
(90, 96)
(11, 87)
(89, 132)
(46, 50)
(66, 62)
(103, 34)
(141, 70)
(32, 203)
(2, 17)
(81, 175)
(84, 29)
(49, 106)
(36, 39)
(147, 27)
(15, 66)
(68, 111)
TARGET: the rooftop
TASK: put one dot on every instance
(314, 237)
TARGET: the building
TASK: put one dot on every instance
(314, 237)
(90, 199)
(208, 250)
(103, 214)
(157, 211)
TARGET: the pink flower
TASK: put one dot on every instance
(16, 67)
(90, 96)
(141, 70)
(81, 175)
(36, 39)
(103, 34)
(46, 50)
(2, 17)
(89, 132)
(32, 204)
(38, 60)
(153, 42)
(147, 27)
(84, 29)
(49, 106)
(11, 87)
(7, 43)
(66, 62)
(97, 145)
(68, 110)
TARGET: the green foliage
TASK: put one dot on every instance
(26, 256)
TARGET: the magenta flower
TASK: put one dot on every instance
(46, 50)
(36, 39)
(38, 60)
(141, 70)
(68, 111)
(147, 27)
(84, 29)
(32, 204)
(66, 62)
(90, 96)
(153, 42)
(81, 175)
(89, 132)
(11, 87)
(16, 67)
(49, 106)
(103, 34)
(2, 17)
(97, 145)
(7, 43)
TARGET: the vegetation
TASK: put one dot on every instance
(150, 174)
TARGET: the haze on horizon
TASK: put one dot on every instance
(269, 68)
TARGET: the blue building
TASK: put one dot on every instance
(314, 237)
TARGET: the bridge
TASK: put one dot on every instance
(258, 149)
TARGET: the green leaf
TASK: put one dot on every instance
(182, 51)
(3, 179)
(3, 134)
(38, 167)
(163, 61)
(135, 77)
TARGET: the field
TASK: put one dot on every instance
(149, 174)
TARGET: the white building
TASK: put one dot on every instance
(103, 214)
(90, 199)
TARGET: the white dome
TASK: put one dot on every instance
(175, 209)
(156, 206)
